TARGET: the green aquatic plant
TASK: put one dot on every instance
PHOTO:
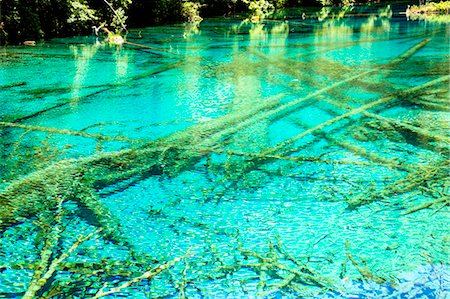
(29, 128)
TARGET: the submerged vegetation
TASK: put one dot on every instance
(246, 195)
(356, 156)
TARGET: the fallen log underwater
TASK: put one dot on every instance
(282, 147)
(81, 180)
(25, 196)
(434, 173)
(98, 89)
(254, 164)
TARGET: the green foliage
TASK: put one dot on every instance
(326, 2)
(22, 20)
(191, 11)
(385, 12)
(348, 2)
(36, 19)
(21, 16)
(337, 2)
(260, 8)
(442, 7)
(430, 12)
(119, 19)
(81, 13)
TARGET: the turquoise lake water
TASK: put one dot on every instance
(306, 157)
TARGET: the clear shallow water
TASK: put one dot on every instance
(227, 143)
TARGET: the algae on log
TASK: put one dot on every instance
(284, 144)
(100, 89)
(38, 190)
(423, 176)
(169, 155)
(363, 110)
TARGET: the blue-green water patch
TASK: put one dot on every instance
(282, 159)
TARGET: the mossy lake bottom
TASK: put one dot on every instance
(285, 159)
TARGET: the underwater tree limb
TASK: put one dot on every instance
(291, 106)
(40, 92)
(286, 65)
(358, 110)
(277, 287)
(355, 111)
(67, 132)
(276, 265)
(147, 275)
(404, 56)
(373, 156)
(325, 124)
(40, 112)
(360, 151)
(423, 175)
(397, 124)
(157, 50)
(364, 271)
(432, 106)
(37, 282)
(11, 85)
(284, 144)
(35, 287)
(415, 129)
(444, 199)
(184, 281)
(102, 88)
